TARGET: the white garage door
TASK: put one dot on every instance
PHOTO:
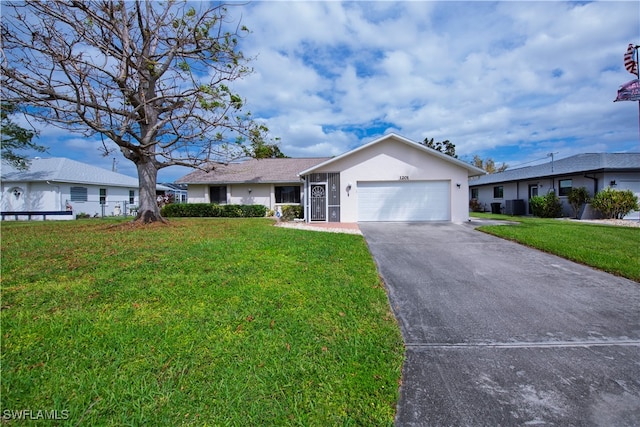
(404, 201)
(634, 186)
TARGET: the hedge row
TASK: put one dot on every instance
(212, 210)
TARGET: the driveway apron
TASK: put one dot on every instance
(498, 334)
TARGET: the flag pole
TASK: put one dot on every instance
(638, 74)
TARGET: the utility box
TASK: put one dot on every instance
(495, 208)
(515, 207)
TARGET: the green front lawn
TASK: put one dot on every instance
(203, 322)
(605, 247)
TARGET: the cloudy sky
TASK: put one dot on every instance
(510, 80)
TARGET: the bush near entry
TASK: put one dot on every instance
(615, 204)
(476, 206)
(548, 206)
(291, 212)
(577, 197)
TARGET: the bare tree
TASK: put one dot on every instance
(153, 77)
(489, 165)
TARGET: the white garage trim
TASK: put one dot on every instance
(404, 201)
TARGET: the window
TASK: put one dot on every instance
(565, 187)
(474, 193)
(498, 192)
(132, 197)
(78, 194)
(103, 196)
(288, 194)
(218, 195)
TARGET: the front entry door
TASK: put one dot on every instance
(318, 202)
(533, 192)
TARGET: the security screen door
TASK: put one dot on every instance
(318, 202)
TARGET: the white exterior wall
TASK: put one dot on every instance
(43, 196)
(393, 161)
(198, 193)
(251, 194)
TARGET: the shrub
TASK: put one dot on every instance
(475, 206)
(290, 212)
(212, 210)
(577, 197)
(548, 206)
(537, 205)
(615, 203)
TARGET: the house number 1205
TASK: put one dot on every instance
(404, 178)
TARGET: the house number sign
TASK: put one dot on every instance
(404, 177)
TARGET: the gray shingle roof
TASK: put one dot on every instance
(254, 171)
(580, 163)
(60, 169)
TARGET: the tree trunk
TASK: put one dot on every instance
(148, 211)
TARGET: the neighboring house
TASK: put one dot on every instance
(389, 179)
(60, 184)
(178, 191)
(511, 190)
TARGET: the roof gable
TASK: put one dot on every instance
(580, 163)
(256, 171)
(61, 169)
(471, 170)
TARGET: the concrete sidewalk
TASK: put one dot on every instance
(498, 334)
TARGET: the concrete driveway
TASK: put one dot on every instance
(498, 334)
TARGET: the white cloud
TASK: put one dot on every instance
(508, 80)
(483, 75)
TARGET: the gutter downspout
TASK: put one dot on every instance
(595, 183)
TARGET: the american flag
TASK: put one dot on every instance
(629, 62)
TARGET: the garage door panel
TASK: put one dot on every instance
(404, 201)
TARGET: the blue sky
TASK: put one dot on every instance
(512, 80)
